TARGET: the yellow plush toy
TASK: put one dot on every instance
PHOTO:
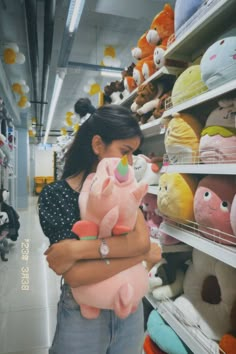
(182, 139)
(188, 85)
(175, 196)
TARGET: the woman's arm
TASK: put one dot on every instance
(93, 271)
(63, 255)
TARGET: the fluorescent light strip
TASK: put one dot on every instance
(111, 73)
(56, 92)
(76, 8)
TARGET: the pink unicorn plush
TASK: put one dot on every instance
(109, 202)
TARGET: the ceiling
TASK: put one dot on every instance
(103, 23)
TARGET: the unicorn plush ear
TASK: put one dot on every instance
(107, 186)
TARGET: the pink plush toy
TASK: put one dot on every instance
(212, 205)
(233, 217)
(149, 205)
(109, 202)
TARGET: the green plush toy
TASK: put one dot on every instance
(189, 84)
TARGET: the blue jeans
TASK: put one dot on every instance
(106, 334)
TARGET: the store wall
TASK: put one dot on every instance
(43, 162)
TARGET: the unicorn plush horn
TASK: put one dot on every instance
(122, 170)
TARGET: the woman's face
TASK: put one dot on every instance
(119, 148)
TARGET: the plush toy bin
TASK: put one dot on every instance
(193, 21)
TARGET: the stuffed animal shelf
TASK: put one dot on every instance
(218, 138)
(218, 64)
(188, 85)
(153, 219)
(162, 27)
(209, 295)
(184, 10)
(212, 206)
(182, 139)
(175, 196)
(113, 187)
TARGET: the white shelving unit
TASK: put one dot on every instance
(217, 168)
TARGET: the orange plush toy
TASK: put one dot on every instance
(143, 49)
(162, 27)
(137, 72)
(150, 347)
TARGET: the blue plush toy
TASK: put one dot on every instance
(218, 64)
(184, 9)
(164, 336)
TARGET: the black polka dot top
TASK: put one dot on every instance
(58, 211)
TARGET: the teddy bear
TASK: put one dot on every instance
(162, 27)
(138, 73)
(189, 84)
(218, 64)
(182, 138)
(114, 188)
(146, 100)
(143, 48)
(212, 206)
(218, 138)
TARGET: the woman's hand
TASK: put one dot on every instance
(60, 256)
(153, 256)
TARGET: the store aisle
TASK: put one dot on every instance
(29, 291)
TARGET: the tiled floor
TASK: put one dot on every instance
(29, 291)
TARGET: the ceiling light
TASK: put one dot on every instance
(111, 73)
(74, 14)
(56, 93)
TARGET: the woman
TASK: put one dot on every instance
(111, 131)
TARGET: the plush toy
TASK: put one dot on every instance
(164, 336)
(145, 170)
(143, 48)
(183, 11)
(150, 347)
(7, 160)
(218, 64)
(189, 84)
(129, 84)
(148, 68)
(182, 139)
(153, 219)
(218, 138)
(113, 187)
(164, 238)
(233, 216)
(166, 277)
(209, 295)
(138, 73)
(160, 108)
(162, 27)
(212, 205)
(175, 196)
(228, 344)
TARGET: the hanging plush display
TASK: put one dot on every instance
(109, 58)
(92, 88)
(63, 131)
(12, 55)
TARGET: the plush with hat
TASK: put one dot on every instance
(218, 138)
(143, 48)
(114, 183)
(182, 138)
(209, 295)
(145, 170)
(233, 216)
(183, 11)
(212, 205)
(164, 336)
(162, 27)
(218, 64)
(189, 84)
(175, 195)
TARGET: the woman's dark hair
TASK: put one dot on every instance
(112, 122)
(84, 106)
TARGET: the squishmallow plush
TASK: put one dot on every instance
(117, 193)
(218, 138)
(218, 64)
(209, 295)
(182, 138)
(233, 217)
(183, 11)
(162, 27)
(189, 84)
(212, 206)
(175, 196)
